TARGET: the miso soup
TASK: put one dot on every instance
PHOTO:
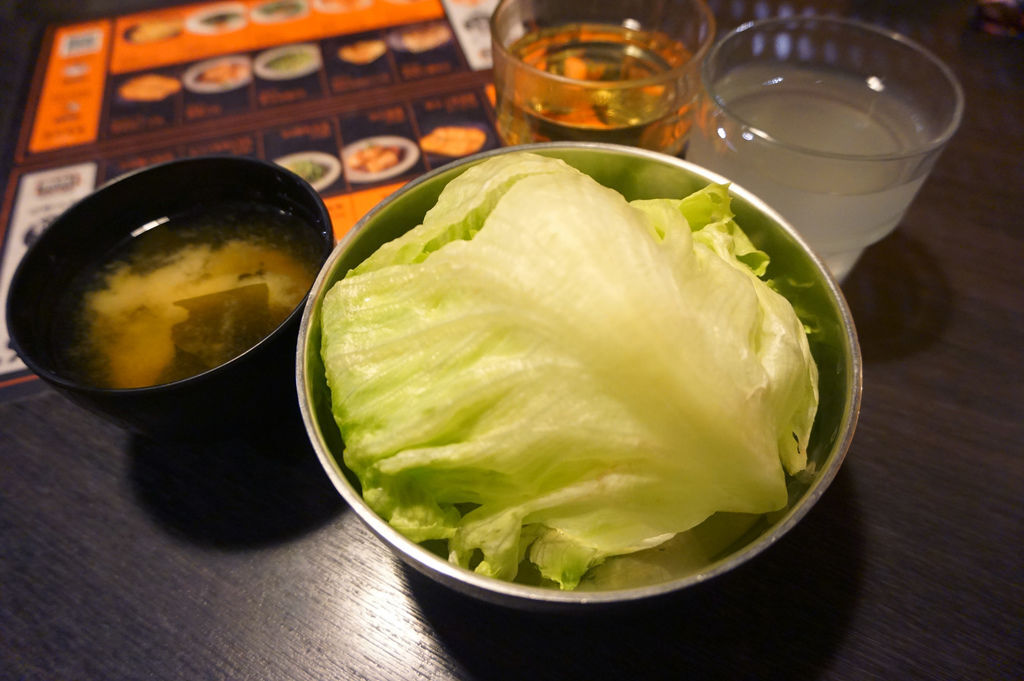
(185, 294)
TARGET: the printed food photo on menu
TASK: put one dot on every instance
(340, 6)
(357, 62)
(423, 38)
(379, 146)
(276, 11)
(140, 102)
(147, 88)
(288, 74)
(288, 62)
(319, 168)
(381, 157)
(217, 19)
(452, 126)
(221, 74)
(218, 86)
(310, 150)
(456, 140)
(424, 50)
(154, 30)
(362, 52)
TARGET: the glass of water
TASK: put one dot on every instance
(833, 122)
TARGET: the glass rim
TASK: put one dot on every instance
(696, 57)
(934, 142)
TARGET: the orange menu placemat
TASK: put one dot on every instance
(315, 85)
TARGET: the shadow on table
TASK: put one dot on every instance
(237, 492)
(899, 297)
(781, 615)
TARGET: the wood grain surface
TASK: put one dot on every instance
(121, 558)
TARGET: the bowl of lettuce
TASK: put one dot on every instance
(568, 374)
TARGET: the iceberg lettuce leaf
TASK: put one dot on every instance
(543, 371)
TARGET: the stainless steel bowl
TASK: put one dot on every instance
(798, 274)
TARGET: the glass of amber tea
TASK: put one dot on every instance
(623, 72)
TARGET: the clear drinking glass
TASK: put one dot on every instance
(625, 72)
(833, 122)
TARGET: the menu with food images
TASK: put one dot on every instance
(356, 96)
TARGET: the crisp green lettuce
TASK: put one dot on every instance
(545, 372)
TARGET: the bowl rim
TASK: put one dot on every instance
(119, 182)
(521, 595)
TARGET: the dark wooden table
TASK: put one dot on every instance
(121, 558)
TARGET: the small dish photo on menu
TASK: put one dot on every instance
(418, 39)
(288, 61)
(148, 31)
(362, 52)
(216, 19)
(379, 158)
(148, 88)
(454, 140)
(340, 6)
(318, 168)
(276, 11)
(221, 74)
